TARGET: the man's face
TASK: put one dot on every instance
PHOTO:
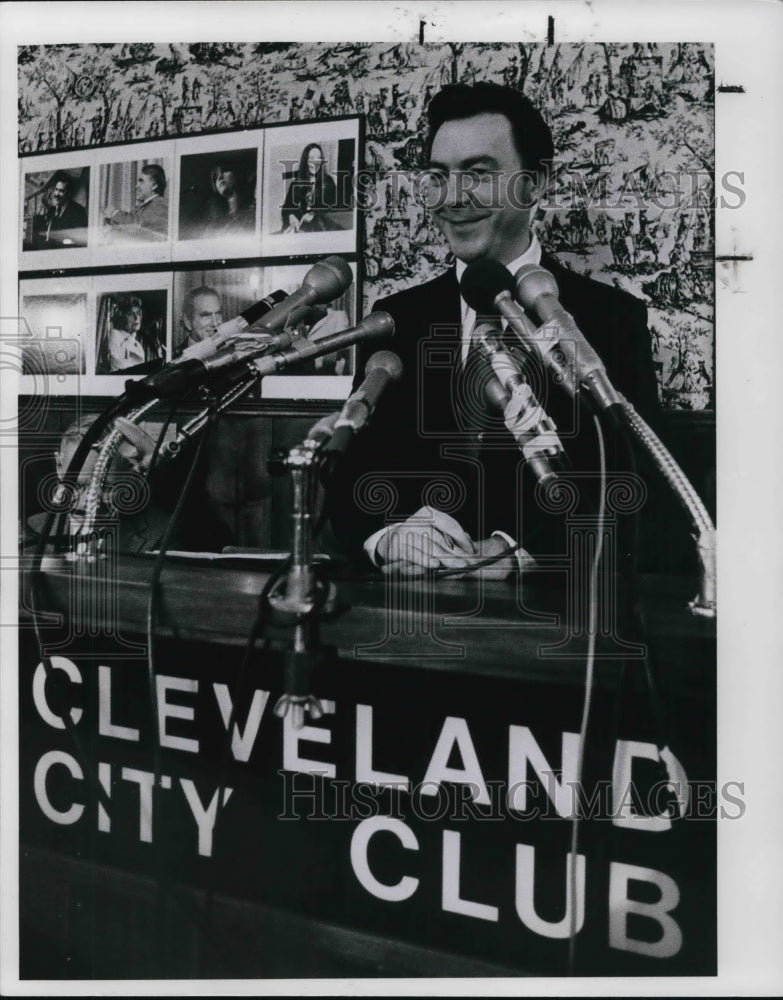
(145, 187)
(59, 194)
(479, 194)
(206, 317)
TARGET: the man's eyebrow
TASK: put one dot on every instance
(471, 161)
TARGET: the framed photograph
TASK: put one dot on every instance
(217, 203)
(325, 377)
(309, 203)
(54, 208)
(134, 208)
(55, 315)
(132, 323)
(205, 298)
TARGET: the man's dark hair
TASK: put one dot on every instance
(532, 136)
(60, 176)
(158, 175)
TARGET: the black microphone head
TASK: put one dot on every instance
(259, 309)
(328, 278)
(481, 284)
(533, 281)
(387, 361)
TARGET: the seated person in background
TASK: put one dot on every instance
(310, 196)
(149, 220)
(63, 223)
(487, 154)
(201, 526)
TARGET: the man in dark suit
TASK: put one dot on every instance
(435, 481)
(63, 223)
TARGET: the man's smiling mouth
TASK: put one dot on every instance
(464, 222)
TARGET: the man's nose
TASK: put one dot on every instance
(459, 188)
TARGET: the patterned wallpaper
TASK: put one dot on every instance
(631, 191)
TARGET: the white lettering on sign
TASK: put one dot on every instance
(525, 895)
(451, 901)
(360, 840)
(105, 725)
(455, 733)
(49, 759)
(623, 813)
(104, 776)
(364, 754)
(168, 711)
(144, 779)
(620, 906)
(241, 743)
(39, 690)
(313, 734)
(523, 749)
(204, 817)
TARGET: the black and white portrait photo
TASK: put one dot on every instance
(130, 330)
(133, 202)
(309, 199)
(56, 207)
(218, 195)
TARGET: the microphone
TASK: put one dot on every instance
(526, 420)
(374, 326)
(537, 291)
(231, 328)
(487, 286)
(323, 282)
(382, 368)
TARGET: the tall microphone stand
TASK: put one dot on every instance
(300, 597)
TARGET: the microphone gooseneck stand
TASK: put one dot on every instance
(705, 602)
(299, 598)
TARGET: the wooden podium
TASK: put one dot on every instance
(421, 826)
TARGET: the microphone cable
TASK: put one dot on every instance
(442, 572)
(165, 888)
(592, 627)
(54, 532)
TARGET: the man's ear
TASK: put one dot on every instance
(187, 324)
(539, 182)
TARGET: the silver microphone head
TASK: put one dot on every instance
(386, 361)
(533, 281)
(328, 278)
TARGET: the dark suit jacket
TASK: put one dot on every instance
(432, 441)
(70, 224)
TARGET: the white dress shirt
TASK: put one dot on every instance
(531, 256)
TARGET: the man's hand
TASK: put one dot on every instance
(427, 540)
(498, 570)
